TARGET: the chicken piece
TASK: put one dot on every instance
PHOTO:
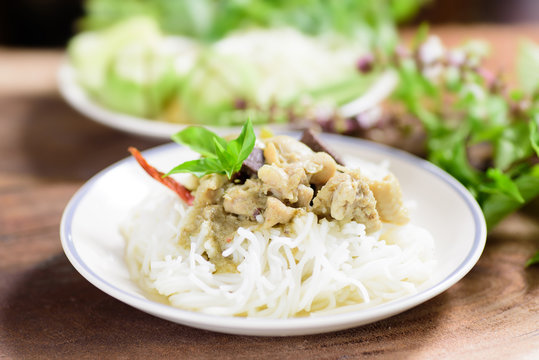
(244, 199)
(274, 178)
(285, 150)
(277, 213)
(210, 189)
(305, 195)
(348, 197)
(388, 195)
(283, 183)
(326, 168)
(271, 156)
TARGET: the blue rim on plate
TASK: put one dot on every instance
(291, 326)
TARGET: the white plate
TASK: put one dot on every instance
(79, 99)
(91, 241)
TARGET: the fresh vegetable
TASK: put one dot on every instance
(472, 125)
(218, 155)
(212, 88)
(461, 106)
(136, 69)
(129, 67)
(220, 62)
(210, 20)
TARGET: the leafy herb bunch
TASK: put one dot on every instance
(475, 127)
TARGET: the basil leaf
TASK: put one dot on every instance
(200, 140)
(219, 157)
(199, 167)
(226, 159)
(238, 150)
(244, 144)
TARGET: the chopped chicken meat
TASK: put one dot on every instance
(277, 212)
(244, 199)
(389, 200)
(210, 189)
(283, 182)
(348, 197)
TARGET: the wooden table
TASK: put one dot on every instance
(47, 310)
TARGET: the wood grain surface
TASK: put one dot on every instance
(48, 310)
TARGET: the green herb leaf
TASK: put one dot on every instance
(226, 159)
(497, 206)
(513, 145)
(502, 184)
(449, 153)
(200, 140)
(245, 143)
(199, 167)
(533, 260)
(219, 157)
(534, 134)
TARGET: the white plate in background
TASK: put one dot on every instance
(79, 99)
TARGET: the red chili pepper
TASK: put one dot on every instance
(169, 182)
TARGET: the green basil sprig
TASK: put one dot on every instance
(218, 155)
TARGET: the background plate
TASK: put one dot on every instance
(78, 98)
